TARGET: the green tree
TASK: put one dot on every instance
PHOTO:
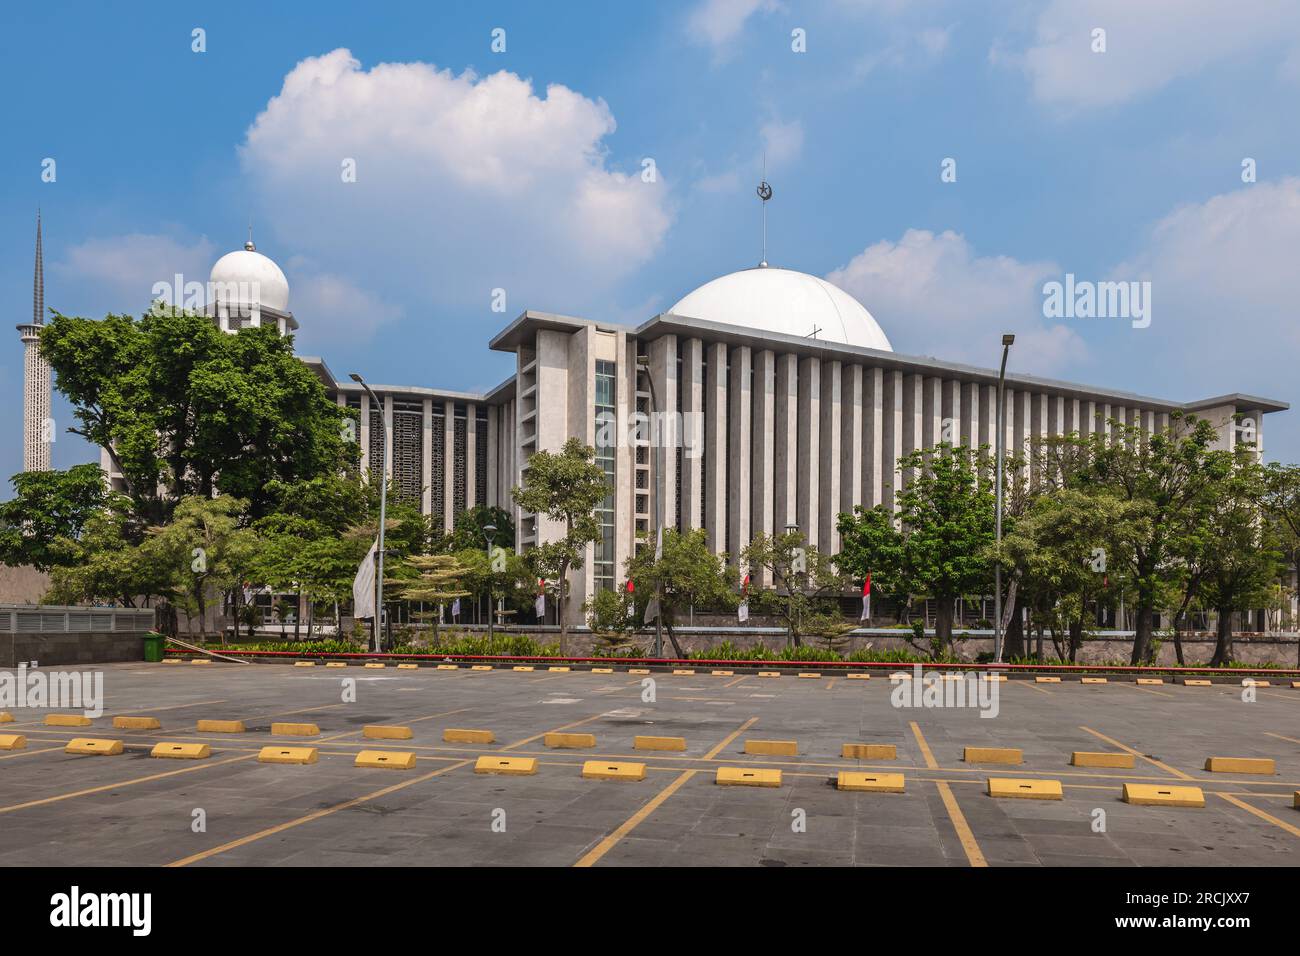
(186, 409)
(1166, 481)
(687, 574)
(564, 487)
(939, 548)
(112, 565)
(468, 533)
(47, 515)
(437, 581)
(806, 588)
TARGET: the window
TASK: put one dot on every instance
(606, 443)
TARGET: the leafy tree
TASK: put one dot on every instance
(1242, 556)
(611, 615)
(205, 549)
(468, 533)
(1166, 479)
(111, 565)
(186, 409)
(1059, 548)
(564, 487)
(437, 581)
(513, 585)
(687, 574)
(47, 515)
(806, 587)
(946, 516)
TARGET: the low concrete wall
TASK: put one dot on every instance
(88, 648)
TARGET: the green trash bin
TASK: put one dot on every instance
(153, 647)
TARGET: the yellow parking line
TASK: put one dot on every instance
(281, 827)
(119, 784)
(733, 683)
(964, 833)
(592, 856)
(1289, 828)
(413, 720)
(1282, 737)
(1151, 760)
(605, 845)
(930, 762)
(529, 740)
(28, 753)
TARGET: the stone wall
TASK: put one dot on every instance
(84, 648)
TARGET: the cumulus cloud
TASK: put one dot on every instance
(934, 296)
(123, 270)
(716, 23)
(463, 184)
(1148, 44)
(332, 309)
(782, 142)
(1222, 276)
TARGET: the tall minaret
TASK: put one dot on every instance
(37, 425)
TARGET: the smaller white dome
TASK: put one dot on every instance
(246, 277)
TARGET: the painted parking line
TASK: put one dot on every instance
(121, 783)
(591, 857)
(965, 835)
(555, 730)
(318, 814)
(1292, 740)
(1268, 817)
(930, 762)
(1137, 753)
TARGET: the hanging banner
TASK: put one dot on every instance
(866, 598)
(363, 585)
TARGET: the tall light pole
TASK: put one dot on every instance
(791, 529)
(644, 365)
(383, 513)
(1007, 341)
(489, 533)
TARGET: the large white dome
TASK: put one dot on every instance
(246, 277)
(791, 303)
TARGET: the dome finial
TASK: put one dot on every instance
(764, 193)
(249, 244)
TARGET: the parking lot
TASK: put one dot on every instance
(230, 808)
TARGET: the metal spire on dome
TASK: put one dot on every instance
(249, 244)
(38, 278)
(764, 193)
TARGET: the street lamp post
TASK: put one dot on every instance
(489, 532)
(791, 529)
(383, 514)
(1007, 341)
(644, 365)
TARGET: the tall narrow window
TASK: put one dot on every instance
(606, 443)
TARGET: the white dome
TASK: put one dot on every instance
(246, 277)
(791, 303)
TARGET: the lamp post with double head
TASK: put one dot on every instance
(383, 515)
(1007, 341)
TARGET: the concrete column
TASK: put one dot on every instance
(1072, 416)
(426, 466)
(471, 456)
(1089, 424)
(715, 448)
(913, 421)
(663, 370)
(692, 385)
(809, 481)
(1024, 417)
(893, 436)
(364, 432)
(989, 417)
(952, 428)
(493, 459)
(449, 465)
(932, 413)
(785, 447)
(740, 480)
(763, 458)
(830, 454)
(1039, 413)
(873, 436)
(850, 437)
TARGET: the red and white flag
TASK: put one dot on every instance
(742, 612)
(540, 606)
(866, 598)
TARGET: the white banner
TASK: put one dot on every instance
(363, 585)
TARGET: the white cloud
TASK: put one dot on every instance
(332, 309)
(1148, 44)
(934, 296)
(1222, 276)
(463, 185)
(716, 23)
(123, 270)
(782, 142)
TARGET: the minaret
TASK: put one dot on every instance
(37, 425)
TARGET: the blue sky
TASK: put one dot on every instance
(521, 170)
